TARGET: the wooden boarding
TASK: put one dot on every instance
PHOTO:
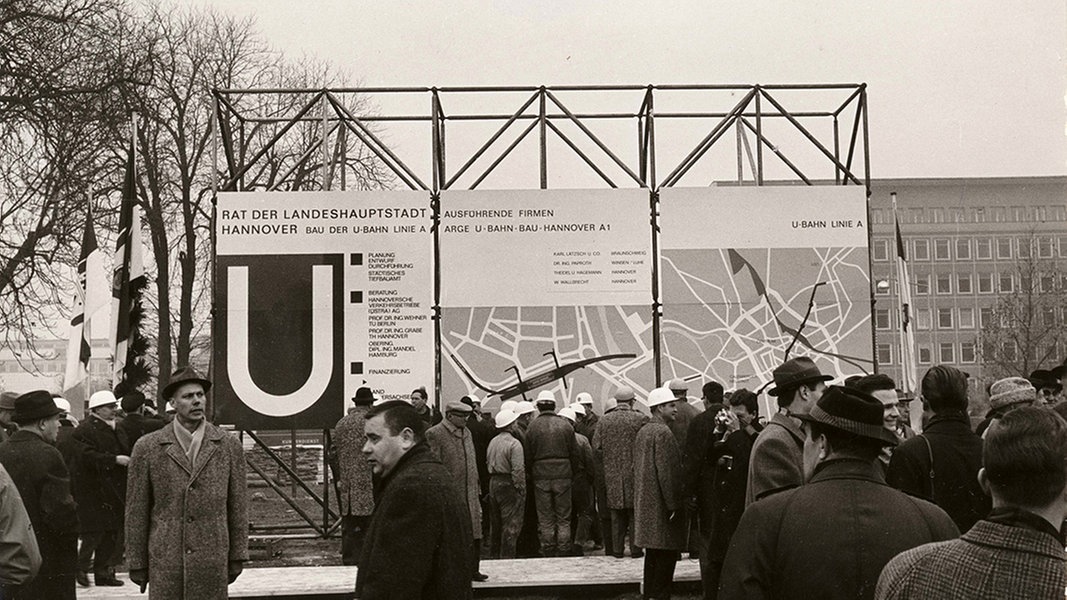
(542, 574)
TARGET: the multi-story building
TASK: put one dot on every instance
(21, 370)
(963, 239)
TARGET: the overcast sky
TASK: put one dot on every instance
(957, 88)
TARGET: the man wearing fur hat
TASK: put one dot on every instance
(1005, 395)
(40, 475)
(187, 501)
(831, 537)
(99, 477)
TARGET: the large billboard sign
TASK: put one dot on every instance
(545, 289)
(316, 295)
(740, 267)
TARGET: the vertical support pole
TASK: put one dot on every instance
(326, 481)
(213, 265)
(241, 154)
(544, 140)
(837, 154)
(740, 158)
(867, 184)
(653, 187)
(759, 136)
(292, 458)
(342, 143)
(435, 142)
(325, 146)
(439, 180)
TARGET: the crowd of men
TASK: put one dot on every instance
(834, 496)
(164, 495)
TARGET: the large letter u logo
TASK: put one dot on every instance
(237, 349)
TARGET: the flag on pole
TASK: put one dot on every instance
(909, 378)
(91, 296)
(128, 272)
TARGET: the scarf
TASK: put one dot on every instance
(190, 441)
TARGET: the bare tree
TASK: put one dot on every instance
(1029, 325)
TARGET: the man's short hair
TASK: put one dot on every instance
(1025, 456)
(399, 415)
(786, 396)
(873, 383)
(848, 444)
(944, 388)
(743, 397)
(712, 392)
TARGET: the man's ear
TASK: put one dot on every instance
(407, 438)
(983, 481)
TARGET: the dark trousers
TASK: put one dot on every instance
(102, 544)
(476, 556)
(353, 532)
(659, 573)
(581, 514)
(506, 506)
(553, 498)
(622, 525)
(528, 545)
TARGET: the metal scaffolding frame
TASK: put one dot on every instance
(319, 127)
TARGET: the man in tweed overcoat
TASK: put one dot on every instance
(186, 502)
(1015, 552)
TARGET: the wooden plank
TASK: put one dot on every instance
(586, 571)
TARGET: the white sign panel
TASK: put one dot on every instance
(291, 265)
(545, 248)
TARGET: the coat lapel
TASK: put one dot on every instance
(174, 449)
(212, 437)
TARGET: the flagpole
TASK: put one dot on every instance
(86, 324)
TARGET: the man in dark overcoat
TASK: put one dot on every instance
(419, 542)
(39, 473)
(1015, 552)
(99, 486)
(186, 504)
(613, 446)
(140, 418)
(831, 537)
(355, 484)
(659, 509)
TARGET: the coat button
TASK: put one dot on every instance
(188, 550)
(190, 519)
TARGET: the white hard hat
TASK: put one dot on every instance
(505, 418)
(102, 398)
(169, 408)
(585, 398)
(545, 396)
(577, 408)
(568, 413)
(61, 404)
(660, 395)
(508, 405)
(524, 407)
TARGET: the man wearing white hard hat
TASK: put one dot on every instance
(658, 497)
(99, 487)
(582, 492)
(552, 453)
(507, 485)
(587, 419)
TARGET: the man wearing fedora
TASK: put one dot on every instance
(776, 462)
(186, 505)
(659, 506)
(40, 475)
(99, 485)
(7, 411)
(355, 485)
(831, 537)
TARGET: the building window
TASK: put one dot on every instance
(1048, 316)
(881, 318)
(922, 318)
(985, 283)
(1044, 247)
(924, 354)
(1063, 246)
(1008, 351)
(946, 353)
(885, 354)
(963, 249)
(1048, 283)
(944, 284)
(963, 284)
(967, 352)
(1004, 248)
(1024, 248)
(983, 248)
(922, 250)
(1007, 283)
(944, 318)
(922, 285)
(985, 316)
(966, 318)
(942, 250)
(881, 250)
